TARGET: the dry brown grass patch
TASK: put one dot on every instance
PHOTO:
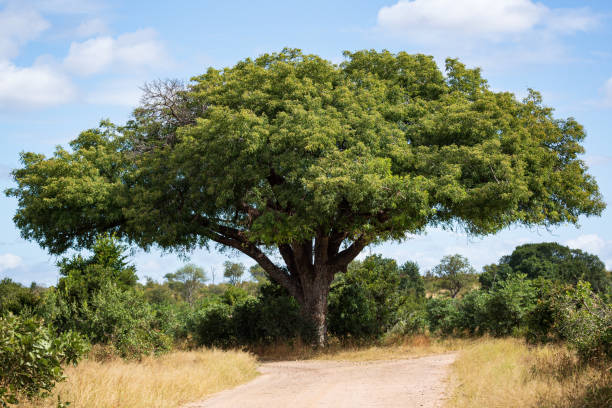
(155, 382)
(501, 373)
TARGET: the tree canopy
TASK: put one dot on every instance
(552, 261)
(312, 160)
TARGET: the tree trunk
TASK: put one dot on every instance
(314, 308)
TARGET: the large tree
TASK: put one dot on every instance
(300, 164)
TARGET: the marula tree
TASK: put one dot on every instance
(300, 164)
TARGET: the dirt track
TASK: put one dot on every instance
(418, 382)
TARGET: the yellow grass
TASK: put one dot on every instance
(165, 382)
(507, 373)
(404, 347)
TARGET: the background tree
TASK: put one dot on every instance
(233, 272)
(82, 277)
(259, 274)
(292, 155)
(186, 281)
(550, 260)
(455, 273)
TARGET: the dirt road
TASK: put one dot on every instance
(418, 382)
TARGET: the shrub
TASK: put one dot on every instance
(31, 357)
(442, 315)
(212, 326)
(509, 304)
(125, 321)
(585, 321)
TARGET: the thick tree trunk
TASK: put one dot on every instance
(314, 307)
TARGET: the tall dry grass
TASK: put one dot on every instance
(167, 381)
(500, 373)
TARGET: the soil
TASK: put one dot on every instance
(417, 382)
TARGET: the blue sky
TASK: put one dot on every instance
(66, 64)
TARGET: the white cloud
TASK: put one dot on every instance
(94, 26)
(137, 50)
(489, 33)
(35, 86)
(9, 261)
(479, 17)
(467, 16)
(590, 243)
(17, 27)
(91, 56)
(594, 244)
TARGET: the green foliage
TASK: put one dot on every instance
(442, 315)
(187, 281)
(509, 305)
(259, 274)
(504, 310)
(372, 296)
(291, 152)
(551, 261)
(232, 321)
(123, 320)
(585, 321)
(16, 299)
(233, 271)
(32, 358)
(83, 277)
(454, 273)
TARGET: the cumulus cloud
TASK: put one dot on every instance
(17, 27)
(9, 261)
(35, 86)
(503, 31)
(479, 17)
(137, 50)
(594, 244)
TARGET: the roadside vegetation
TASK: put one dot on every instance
(140, 344)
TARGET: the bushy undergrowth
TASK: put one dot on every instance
(32, 357)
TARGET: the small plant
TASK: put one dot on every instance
(32, 356)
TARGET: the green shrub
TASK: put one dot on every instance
(442, 315)
(585, 321)
(124, 320)
(351, 312)
(32, 357)
(509, 304)
(212, 326)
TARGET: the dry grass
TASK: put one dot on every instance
(166, 381)
(507, 373)
(404, 347)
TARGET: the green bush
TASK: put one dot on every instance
(237, 319)
(442, 315)
(32, 357)
(585, 321)
(16, 299)
(123, 320)
(509, 304)
(373, 296)
(212, 326)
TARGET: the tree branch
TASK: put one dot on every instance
(346, 256)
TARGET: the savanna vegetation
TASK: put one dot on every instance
(300, 164)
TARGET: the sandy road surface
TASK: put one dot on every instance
(418, 382)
